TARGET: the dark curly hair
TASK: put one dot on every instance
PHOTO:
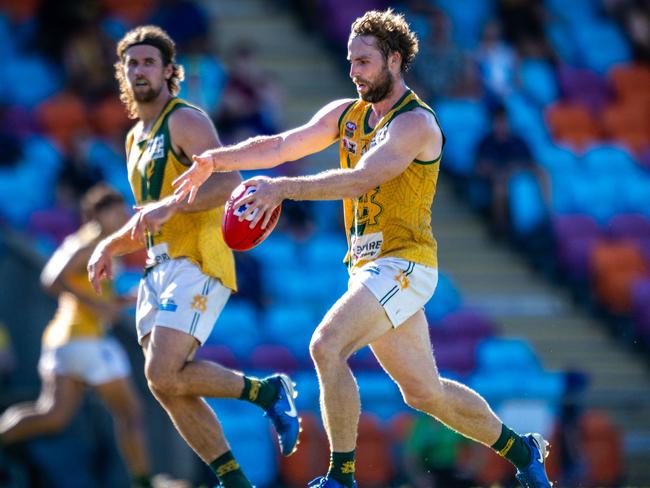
(153, 36)
(392, 32)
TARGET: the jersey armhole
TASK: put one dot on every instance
(347, 109)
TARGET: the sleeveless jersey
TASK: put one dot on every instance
(73, 319)
(393, 219)
(153, 165)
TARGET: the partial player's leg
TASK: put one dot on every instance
(59, 400)
(178, 306)
(354, 321)
(166, 353)
(123, 402)
(405, 354)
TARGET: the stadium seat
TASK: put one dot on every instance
(467, 120)
(272, 358)
(63, 117)
(571, 123)
(628, 123)
(292, 326)
(237, 328)
(614, 267)
(374, 463)
(219, 354)
(538, 81)
(379, 395)
(312, 457)
(583, 86)
(445, 300)
(575, 235)
(629, 226)
(631, 82)
(526, 205)
(601, 446)
(612, 49)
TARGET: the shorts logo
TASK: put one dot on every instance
(168, 305)
(373, 269)
(402, 280)
(199, 303)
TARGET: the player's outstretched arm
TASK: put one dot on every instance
(263, 151)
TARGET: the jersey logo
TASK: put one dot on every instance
(349, 145)
(155, 148)
(366, 212)
(350, 127)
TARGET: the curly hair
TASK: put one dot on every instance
(153, 36)
(392, 32)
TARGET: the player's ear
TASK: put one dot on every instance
(169, 71)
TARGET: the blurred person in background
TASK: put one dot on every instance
(190, 272)
(390, 147)
(499, 155)
(76, 350)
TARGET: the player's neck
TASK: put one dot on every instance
(381, 108)
(148, 112)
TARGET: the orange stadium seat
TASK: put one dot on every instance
(631, 82)
(615, 266)
(63, 116)
(572, 123)
(601, 446)
(109, 118)
(628, 123)
(374, 465)
(312, 457)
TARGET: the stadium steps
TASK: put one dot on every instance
(499, 282)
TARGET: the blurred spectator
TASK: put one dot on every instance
(251, 100)
(497, 62)
(440, 65)
(430, 453)
(87, 58)
(499, 155)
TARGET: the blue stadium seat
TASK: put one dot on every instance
(612, 45)
(555, 159)
(468, 18)
(44, 80)
(526, 203)
(379, 395)
(607, 159)
(238, 327)
(445, 300)
(292, 326)
(526, 120)
(251, 439)
(464, 122)
(538, 81)
(498, 355)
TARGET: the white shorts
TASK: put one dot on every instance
(402, 287)
(94, 361)
(176, 294)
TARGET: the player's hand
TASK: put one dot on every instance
(150, 217)
(100, 267)
(268, 195)
(187, 185)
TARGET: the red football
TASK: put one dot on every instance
(238, 235)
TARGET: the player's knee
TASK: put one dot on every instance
(324, 349)
(161, 381)
(55, 420)
(423, 397)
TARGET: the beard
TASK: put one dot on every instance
(147, 96)
(378, 89)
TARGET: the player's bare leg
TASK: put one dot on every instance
(122, 401)
(352, 322)
(167, 352)
(59, 400)
(405, 354)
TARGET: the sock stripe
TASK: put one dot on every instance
(503, 452)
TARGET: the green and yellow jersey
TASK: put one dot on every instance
(393, 219)
(73, 319)
(152, 166)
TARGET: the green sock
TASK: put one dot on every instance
(511, 446)
(342, 467)
(141, 481)
(229, 472)
(259, 392)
